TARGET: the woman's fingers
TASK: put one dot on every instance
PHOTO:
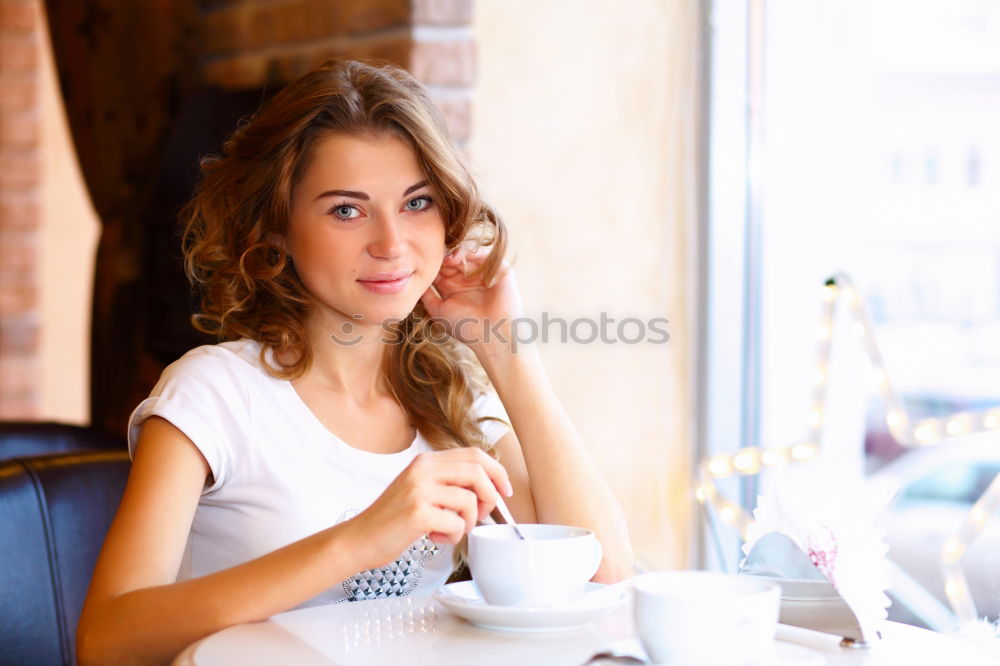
(493, 468)
(466, 256)
(494, 471)
(431, 301)
(465, 482)
(460, 501)
(474, 478)
(446, 526)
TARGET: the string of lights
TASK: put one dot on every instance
(907, 432)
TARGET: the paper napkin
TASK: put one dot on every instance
(836, 526)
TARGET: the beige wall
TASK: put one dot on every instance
(584, 139)
(68, 240)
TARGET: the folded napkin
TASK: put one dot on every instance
(828, 533)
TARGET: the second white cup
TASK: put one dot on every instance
(689, 618)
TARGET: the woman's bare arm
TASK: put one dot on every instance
(135, 612)
(554, 476)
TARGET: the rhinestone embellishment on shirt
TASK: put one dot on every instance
(396, 579)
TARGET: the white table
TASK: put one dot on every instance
(413, 631)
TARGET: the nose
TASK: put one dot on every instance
(387, 238)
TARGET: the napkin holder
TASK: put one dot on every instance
(808, 599)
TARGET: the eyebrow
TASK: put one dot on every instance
(362, 195)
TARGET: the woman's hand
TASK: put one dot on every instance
(476, 313)
(442, 494)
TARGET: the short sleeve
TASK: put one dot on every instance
(488, 404)
(202, 396)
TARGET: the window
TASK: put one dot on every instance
(871, 148)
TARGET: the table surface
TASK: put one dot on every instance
(417, 630)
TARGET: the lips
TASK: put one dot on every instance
(387, 282)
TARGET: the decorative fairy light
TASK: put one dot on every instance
(748, 461)
(957, 545)
(804, 452)
(774, 457)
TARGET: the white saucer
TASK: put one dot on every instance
(463, 599)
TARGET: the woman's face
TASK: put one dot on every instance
(365, 235)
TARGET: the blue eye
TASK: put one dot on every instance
(425, 203)
(342, 212)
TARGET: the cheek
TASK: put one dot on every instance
(432, 251)
(321, 260)
(437, 238)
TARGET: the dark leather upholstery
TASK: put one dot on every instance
(32, 438)
(54, 513)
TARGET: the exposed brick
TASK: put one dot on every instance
(261, 30)
(289, 21)
(213, 4)
(18, 92)
(19, 210)
(18, 129)
(17, 16)
(324, 19)
(458, 114)
(362, 16)
(18, 374)
(307, 20)
(226, 30)
(19, 406)
(292, 64)
(18, 252)
(18, 168)
(16, 298)
(443, 63)
(18, 335)
(238, 72)
(394, 48)
(17, 53)
(442, 12)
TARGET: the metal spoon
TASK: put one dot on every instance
(620, 652)
(506, 517)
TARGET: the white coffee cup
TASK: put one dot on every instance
(550, 567)
(699, 617)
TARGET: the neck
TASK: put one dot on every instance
(349, 363)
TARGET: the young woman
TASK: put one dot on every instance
(345, 437)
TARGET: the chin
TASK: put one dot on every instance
(394, 312)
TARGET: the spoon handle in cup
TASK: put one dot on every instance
(501, 514)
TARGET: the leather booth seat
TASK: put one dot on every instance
(54, 512)
(32, 438)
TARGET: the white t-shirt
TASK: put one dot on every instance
(279, 475)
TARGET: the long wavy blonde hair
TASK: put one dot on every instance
(250, 289)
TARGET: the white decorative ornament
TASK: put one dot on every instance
(837, 528)
(905, 431)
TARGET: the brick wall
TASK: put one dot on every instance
(19, 208)
(442, 56)
(252, 43)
